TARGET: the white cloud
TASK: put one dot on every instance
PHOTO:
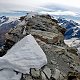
(70, 13)
(37, 3)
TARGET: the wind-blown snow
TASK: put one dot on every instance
(21, 57)
(26, 54)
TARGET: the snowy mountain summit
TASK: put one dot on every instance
(43, 55)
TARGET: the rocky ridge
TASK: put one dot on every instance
(63, 61)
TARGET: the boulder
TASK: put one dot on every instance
(43, 76)
(56, 74)
(35, 73)
(47, 72)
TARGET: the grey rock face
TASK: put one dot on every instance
(43, 77)
(47, 72)
(56, 74)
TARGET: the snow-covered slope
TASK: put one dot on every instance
(67, 23)
(73, 28)
(73, 32)
(23, 56)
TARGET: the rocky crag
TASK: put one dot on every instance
(63, 61)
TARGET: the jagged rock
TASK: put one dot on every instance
(47, 37)
(60, 56)
(72, 50)
(42, 23)
(28, 77)
(56, 74)
(11, 37)
(61, 77)
(53, 62)
(2, 52)
(72, 76)
(47, 72)
(43, 76)
(35, 73)
(22, 18)
(39, 23)
(77, 68)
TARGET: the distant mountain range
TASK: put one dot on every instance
(72, 28)
(3, 19)
(72, 34)
(6, 23)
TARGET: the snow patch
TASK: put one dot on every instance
(20, 58)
